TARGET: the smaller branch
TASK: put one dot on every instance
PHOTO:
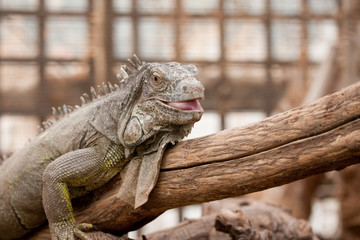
(239, 219)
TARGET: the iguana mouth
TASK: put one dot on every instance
(189, 105)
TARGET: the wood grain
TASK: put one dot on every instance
(314, 138)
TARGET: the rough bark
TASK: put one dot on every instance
(314, 138)
(190, 229)
(239, 219)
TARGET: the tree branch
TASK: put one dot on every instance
(314, 138)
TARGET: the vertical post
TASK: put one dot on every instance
(91, 32)
(42, 102)
(223, 108)
(135, 28)
(348, 43)
(178, 15)
(268, 92)
(339, 20)
(103, 58)
(304, 43)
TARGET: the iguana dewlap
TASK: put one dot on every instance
(130, 125)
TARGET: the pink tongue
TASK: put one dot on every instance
(186, 105)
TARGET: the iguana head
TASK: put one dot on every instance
(169, 95)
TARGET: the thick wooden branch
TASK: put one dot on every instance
(314, 138)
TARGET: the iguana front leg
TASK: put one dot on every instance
(80, 168)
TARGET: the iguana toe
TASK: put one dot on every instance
(86, 227)
(69, 231)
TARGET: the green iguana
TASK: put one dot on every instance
(156, 104)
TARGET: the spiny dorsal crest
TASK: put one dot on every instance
(134, 65)
(60, 112)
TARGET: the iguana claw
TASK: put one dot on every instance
(69, 231)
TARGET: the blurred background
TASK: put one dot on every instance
(255, 58)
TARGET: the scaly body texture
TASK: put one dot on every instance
(127, 126)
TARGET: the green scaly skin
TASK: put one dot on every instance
(156, 104)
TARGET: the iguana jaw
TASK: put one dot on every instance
(187, 105)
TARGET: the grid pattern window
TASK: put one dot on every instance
(44, 61)
(52, 51)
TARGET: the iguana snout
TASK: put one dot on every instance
(187, 95)
(189, 105)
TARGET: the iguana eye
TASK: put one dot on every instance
(157, 79)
